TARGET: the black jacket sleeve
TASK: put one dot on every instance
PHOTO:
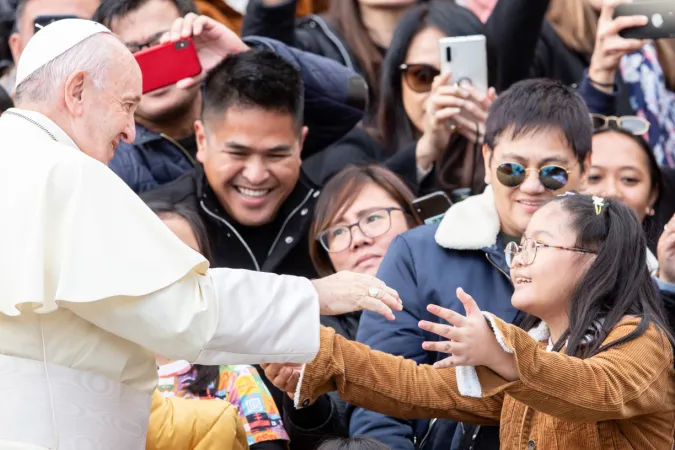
(274, 22)
(335, 96)
(310, 426)
(514, 30)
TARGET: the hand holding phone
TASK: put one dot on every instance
(610, 47)
(168, 63)
(213, 41)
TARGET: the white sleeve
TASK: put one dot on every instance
(224, 317)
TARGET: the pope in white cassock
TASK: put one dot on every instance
(93, 283)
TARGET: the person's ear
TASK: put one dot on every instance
(15, 46)
(583, 181)
(303, 137)
(487, 161)
(200, 136)
(74, 93)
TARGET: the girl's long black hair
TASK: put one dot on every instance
(205, 374)
(616, 285)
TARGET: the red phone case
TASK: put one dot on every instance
(168, 63)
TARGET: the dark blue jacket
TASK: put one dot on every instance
(335, 99)
(427, 265)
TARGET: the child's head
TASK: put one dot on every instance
(354, 443)
(185, 223)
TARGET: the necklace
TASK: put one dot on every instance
(31, 121)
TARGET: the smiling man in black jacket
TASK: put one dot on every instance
(250, 189)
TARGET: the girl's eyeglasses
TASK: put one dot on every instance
(419, 77)
(551, 177)
(528, 251)
(632, 124)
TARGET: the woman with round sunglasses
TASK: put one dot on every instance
(421, 132)
(590, 367)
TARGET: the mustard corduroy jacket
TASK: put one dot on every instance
(622, 398)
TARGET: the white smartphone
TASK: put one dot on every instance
(466, 57)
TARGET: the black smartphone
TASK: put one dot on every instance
(431, 208)
(661, 16)
(42, 21)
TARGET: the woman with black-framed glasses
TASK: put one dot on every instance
(358, 214)
(360, 211)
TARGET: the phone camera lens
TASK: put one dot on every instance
(448, 54)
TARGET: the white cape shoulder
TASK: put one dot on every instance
(72, 231)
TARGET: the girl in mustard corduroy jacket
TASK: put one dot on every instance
(591, 367)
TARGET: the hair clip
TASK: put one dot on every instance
(599, 203)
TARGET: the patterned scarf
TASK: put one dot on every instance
(651, 100)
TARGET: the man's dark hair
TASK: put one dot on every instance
(110, 10)
(257, 79)
(536, 105)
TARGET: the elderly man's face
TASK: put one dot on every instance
(106, 116)
(81, 8)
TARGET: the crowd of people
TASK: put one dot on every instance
(156, 289)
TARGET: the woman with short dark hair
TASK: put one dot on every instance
(385, 204)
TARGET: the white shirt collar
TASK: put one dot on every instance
(60, 135)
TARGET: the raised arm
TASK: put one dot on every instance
(390, 384)
(144, 285)
(513, 30)
(273, 19)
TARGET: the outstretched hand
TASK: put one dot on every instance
(345, 292)
(472, 341)
(283, 376)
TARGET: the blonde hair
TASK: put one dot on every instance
(576, 23)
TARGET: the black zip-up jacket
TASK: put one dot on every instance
(288, 254)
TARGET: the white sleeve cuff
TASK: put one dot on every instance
(262, 318)
(468, 383)
(296, 396)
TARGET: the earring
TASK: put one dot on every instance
(650, 211)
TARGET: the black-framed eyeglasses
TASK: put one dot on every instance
(154, 40)
(633, 124)
(512, 175)
(528, 251)
(419, 77)
(372, 225)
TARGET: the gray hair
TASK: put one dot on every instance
(93, 56)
